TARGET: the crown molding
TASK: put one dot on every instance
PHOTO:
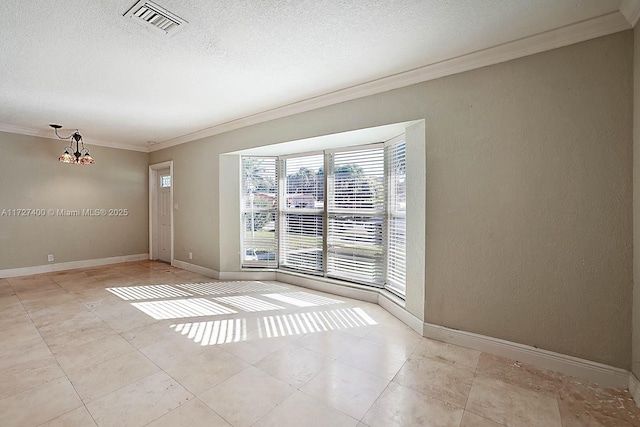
(630, 9)
(49, 135)
(582, 31)
(610, 23)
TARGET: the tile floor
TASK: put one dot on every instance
(144, 343)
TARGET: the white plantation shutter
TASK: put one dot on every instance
(259, 212)
(355, 215)
(396, 189)
(302, 212)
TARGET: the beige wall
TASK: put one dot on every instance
(528, 194)
(32, 178)
(636, 204)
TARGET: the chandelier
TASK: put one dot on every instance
(78, 155)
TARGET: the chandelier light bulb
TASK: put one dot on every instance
(80, 154)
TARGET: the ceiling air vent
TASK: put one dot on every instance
(157, 17)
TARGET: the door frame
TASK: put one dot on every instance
(153, 198)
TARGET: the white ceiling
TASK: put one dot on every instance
(84, 65)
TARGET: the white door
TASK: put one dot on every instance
(164, 215)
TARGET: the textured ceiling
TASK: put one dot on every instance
(82, 64)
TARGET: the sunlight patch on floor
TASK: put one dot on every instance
(313, 321)
(217, 288)
(181, 308)
(214, 331)
(223, 331)
(302, 299)
(247, 303)
(129, 293)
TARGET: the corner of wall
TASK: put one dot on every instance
(634, 388)
(635, 328)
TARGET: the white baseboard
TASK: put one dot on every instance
(196, 269)
(319, 284)
(604, 375)
(48, 268)
(248, 275)
(599, 373)
(138, 257)
(225, 275)
(634, 388)
(394, 305)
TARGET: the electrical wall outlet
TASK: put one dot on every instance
(50, 257)
(190, 255)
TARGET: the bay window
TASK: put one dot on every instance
(338, 213)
